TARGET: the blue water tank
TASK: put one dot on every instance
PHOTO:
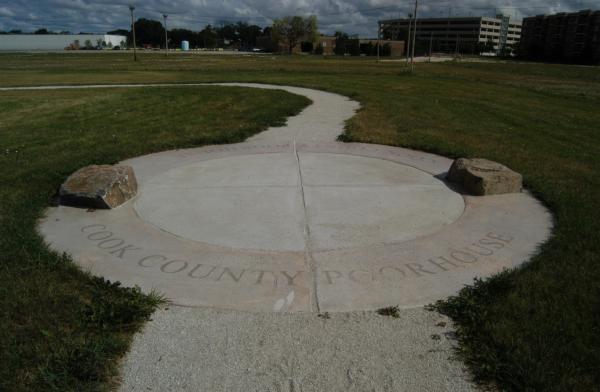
(185, 45)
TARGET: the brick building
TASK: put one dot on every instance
(565, 37)
(327, 44)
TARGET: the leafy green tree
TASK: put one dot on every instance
(149, 32)
(292, 30)
(386, 50)
(74, 45)
(506, 51)
(480, 47)
(368, 49)
(119, 32)
(306, 47)
(341, 42)
(489, 46)
(247, 34)
(178, 35)
(209, 37)
(229, 32)
(345, 45)
(354, 46)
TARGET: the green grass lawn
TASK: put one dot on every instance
(61, 329)
(535, 328)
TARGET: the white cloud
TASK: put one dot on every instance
(5, 11)
(352, 16)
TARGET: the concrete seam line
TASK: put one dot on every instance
(314, 298)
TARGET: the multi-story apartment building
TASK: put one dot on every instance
(457, 34)
(565, 37)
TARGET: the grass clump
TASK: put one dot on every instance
(390, 311)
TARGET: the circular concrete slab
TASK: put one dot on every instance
(286, 227)
(271, 202)
(292, 221)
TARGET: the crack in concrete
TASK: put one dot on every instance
(308, 254)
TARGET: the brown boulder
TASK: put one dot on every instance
(102, 187)
(482, 177)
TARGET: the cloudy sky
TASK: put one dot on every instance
(351, 16)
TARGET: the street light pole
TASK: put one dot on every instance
(430, 46)
(457, 45)
(166, 36)
(378, 39)
(131, 8)
(407, 44)
(414, 38)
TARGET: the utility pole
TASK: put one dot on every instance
(457, 45)
(414, 38)
(131, 8)
(166, 36)
(430, 46)
(407, 45)
(378, 39)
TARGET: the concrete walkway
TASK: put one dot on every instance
(199, 349)
(261, 245)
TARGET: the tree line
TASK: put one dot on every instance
(289, 31)
(286, 34)
(151, 33)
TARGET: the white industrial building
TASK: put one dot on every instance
(19, 42)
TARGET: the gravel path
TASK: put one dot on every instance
(194, 349)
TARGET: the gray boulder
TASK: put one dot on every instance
(101, 187)
(482, 177)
